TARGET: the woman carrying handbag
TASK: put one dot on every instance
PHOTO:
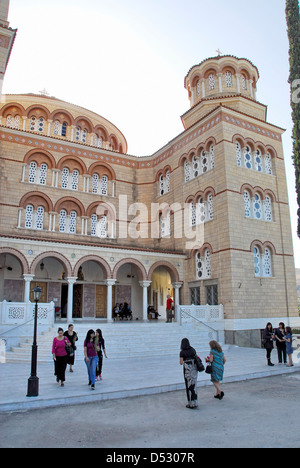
(60, 356)
(190, 372)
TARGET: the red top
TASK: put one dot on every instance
(59, 347)
(169, 303)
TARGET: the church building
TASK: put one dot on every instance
(204, 219)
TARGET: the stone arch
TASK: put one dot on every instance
(40, 156)
(72, 162)
(171, 268)
(103, 263)
(58, 256)
(36, 199)
(69, 204)
(23, 261)
(139, 265)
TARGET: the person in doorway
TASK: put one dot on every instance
(268, 341)
(280, 343)
(169, 308)
(100, 345)
(60, 356)
(72, 337)
(217, 360)
(289, 345)
(190, 372)
(91, 357)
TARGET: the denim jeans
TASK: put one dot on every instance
(91, 368)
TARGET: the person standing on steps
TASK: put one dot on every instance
(268, 342)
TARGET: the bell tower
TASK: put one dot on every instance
(222, 81)
(7, 38)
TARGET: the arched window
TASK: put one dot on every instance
(248, 157)
(60, 129)
(268, 164)
(228, 79)
(37, 124)
(257, 207)
(248, 204)
(43, 174)
(238, 154)
(211, 82)
(81, 135)
(258, 161)
(34, 219)
(72, 222)
(165, 224)
(257, 261)
(164, 184)
(268, 215)
(32, 172)
(74, 180)
(203, 269)
(65, 178)
(187, 171)
(13, 122)
(262, 262)
(267, 264)
(39, 218)
(29, 217)
(63, 221)
(244, 82)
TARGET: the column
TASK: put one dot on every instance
(176, 287)
(71, 282)
(145, 285)
(27, 279)
(110, 283)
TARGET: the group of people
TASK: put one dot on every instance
(122, 311)
(63, 351)
(283, 338)
(94, 344)
(215, 363)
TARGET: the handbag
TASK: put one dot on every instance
(208, 369)
(69, 350)
(199, 364)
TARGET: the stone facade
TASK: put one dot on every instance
(207, 214)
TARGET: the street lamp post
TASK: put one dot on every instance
(33, 381)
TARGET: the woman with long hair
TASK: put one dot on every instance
(217, 360)
(268, 341)
(100, 345)
(72, 337)
(90, 357)
(190, 372)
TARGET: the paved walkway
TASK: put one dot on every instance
(123, 378)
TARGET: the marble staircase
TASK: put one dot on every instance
(122, 339)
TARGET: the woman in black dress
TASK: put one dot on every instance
(100, 346)
(72, 337)
(268, 341)
(190, 372)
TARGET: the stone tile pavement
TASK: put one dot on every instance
(122, 378)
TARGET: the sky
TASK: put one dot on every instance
(127, 59)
